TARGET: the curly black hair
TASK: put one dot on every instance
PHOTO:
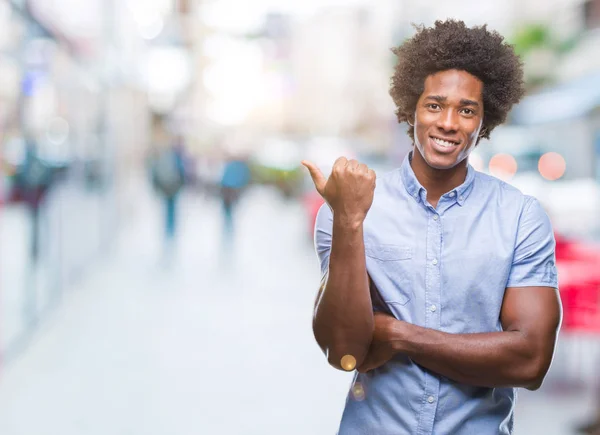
(452, 45)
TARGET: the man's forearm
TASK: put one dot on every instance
(343, 320)
(496, 359)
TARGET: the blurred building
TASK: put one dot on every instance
(563, 114)
(73, 92)
(341, 67)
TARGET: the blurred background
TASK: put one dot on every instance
(157, 273)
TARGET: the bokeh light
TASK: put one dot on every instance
(57, 130)
(552, 166)
(503, 166)
(348, 362)
(358, 392)
(152, 29)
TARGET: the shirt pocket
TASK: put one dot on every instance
(391, 271)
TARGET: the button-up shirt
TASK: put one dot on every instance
(444, 268)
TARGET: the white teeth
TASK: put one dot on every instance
(443, 143)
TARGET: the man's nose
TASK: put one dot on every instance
(448, 120)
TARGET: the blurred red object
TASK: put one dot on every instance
(578, 266)
(312, 202)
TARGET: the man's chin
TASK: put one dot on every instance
(437, 162)
(440, 161)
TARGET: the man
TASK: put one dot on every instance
(440, 283)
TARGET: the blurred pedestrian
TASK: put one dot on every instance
(168, 178)
(463, 263)
(234, 180)
(33, 179)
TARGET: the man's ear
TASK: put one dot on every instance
(482, 132)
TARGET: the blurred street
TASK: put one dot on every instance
(216, 344)
(212, 342)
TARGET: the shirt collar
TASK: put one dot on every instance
(412, 185)
(416, 190)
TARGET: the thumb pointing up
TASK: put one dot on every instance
(316, 175)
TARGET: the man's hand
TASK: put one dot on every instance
(386, 335)
(348, 191)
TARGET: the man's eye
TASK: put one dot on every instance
(468, 111)
(433, 106)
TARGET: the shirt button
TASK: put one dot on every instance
(433, 308)
(462, 198)
(434, 262)
(435, 217)
(415, 194)
(431, 399)
(452, 194)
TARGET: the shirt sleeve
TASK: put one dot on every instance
(323, 231)
(534, 261)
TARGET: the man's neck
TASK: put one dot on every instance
(437, 181)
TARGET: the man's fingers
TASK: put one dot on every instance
(366, 364)
(364, 367)
(316, 175)
(353, 164)
(340, 161)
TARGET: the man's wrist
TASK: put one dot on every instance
(400, 336)
(347, 222)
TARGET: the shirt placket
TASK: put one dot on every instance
(432, 311)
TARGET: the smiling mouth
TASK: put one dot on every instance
(444, 143)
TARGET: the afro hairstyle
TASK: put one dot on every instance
(452, 45)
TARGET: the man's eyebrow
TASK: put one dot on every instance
(438, 98)
(466, 102)
(443, 99)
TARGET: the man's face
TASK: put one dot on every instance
(448, 118)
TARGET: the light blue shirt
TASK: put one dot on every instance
(443, 268)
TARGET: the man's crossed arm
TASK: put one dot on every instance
(519, 356)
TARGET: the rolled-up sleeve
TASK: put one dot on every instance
(534, 261)
(323, 231)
